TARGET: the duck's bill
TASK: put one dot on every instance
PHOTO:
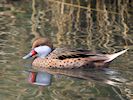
(32, 53)
(27, 56)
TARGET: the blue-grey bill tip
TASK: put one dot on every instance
(27, 56)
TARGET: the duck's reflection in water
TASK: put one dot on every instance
(103, 76)
(39, 78)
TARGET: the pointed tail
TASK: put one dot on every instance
(113, 56)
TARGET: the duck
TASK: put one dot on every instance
(46, 56)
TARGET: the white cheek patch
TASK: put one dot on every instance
(43, 51)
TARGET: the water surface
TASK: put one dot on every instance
(104, 26)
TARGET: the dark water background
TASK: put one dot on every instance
(90, 24)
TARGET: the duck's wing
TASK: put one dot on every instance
(64, 53)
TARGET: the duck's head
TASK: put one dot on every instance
(40, 47)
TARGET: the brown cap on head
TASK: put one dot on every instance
(41, 41)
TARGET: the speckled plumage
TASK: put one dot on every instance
(68, 58)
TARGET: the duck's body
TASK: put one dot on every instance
(69, 58)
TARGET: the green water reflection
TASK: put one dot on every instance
(106, 27)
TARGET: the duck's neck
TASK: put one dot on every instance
(43, 56)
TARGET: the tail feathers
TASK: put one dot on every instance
(113, 56)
